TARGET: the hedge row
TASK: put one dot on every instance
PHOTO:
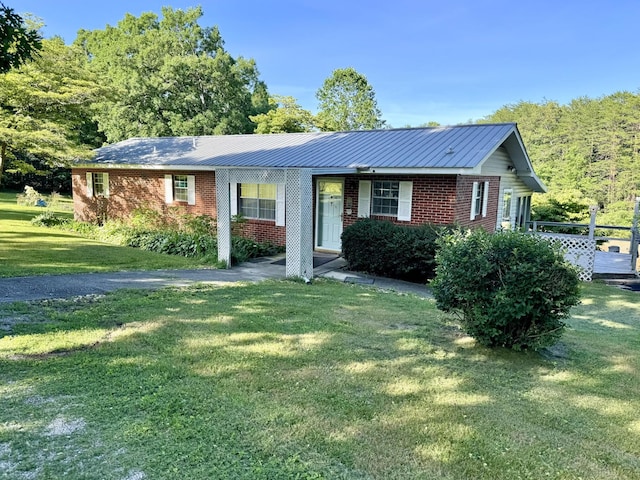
(396, 251)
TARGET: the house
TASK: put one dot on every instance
(303, 189)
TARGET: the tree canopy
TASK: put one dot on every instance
(18, 43)
(347, 102)
(589, 148)
(285, 116)
(171, 77)
(45, 108)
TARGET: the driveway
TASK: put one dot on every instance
(21, 289)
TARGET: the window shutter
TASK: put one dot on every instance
(404, 201)
(168, 188)
(191, 189)
(364, 198)
(105, 177)
(280, 204)
(485, 199)
(474, 195)
(233, 198)
(89, 184)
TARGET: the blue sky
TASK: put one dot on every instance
(445, 61)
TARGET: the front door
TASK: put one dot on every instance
(329, 214)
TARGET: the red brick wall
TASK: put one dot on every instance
(132, 189)
(463, 202)
(440, 199)
(433, 199)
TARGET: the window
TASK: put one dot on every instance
(479, 199)
(523, 208)
(506, 208)
(385, 198)
(180, 188)
(258, 201)
(98, 184)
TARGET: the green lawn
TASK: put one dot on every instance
(283, 380)
(29, 250)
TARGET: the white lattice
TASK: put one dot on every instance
(298, 211)
(223, 206)
(578, 250)
(299, 220)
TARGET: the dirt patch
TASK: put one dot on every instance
(62, 426)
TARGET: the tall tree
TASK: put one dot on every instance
(347, 102)
(285, 116)
(18, 42)
(45, 107)
(172, 77)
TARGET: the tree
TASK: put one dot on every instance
(172, 77)
(347, 102)
(18, 43)
(45, 108)
(285, 116)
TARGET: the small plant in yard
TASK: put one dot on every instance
(511, 289)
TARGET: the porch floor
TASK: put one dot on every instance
(612, 263)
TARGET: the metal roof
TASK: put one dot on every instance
(439, 147)
(436, 148)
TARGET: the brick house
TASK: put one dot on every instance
(303, 189)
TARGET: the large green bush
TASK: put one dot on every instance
(511, 289)
(382, 248)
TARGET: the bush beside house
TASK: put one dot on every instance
(511, 289)
(383, 248)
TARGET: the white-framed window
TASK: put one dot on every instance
(98, 184)
(180, 188)
(384, 200)
(258, 200)
(507, 195)
(479, 198)
(523, 209)
(391, 198)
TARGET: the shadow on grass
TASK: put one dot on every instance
(352, 384)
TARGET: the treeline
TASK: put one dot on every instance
(148, 76)
(587, 152)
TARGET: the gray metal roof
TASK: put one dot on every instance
(439, 149)
(463, 146)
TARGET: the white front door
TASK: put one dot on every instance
(330, 201)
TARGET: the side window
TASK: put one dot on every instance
(479, 199)
(180, 188)
(506, 208)
(98, 184)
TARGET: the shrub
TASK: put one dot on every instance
(511, 289)
(397, 251)
(49, 219)
(242, 249)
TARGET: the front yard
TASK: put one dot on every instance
(283, 380)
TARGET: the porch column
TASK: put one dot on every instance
(223, 205)
(299, 221)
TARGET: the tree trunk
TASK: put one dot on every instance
(3, 153)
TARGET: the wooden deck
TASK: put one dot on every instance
(609, 263)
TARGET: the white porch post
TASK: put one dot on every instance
(299, 221)
(223, 205)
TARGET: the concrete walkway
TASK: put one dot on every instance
(20, 289)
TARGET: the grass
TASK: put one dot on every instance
(283, 380)
(29, 250)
